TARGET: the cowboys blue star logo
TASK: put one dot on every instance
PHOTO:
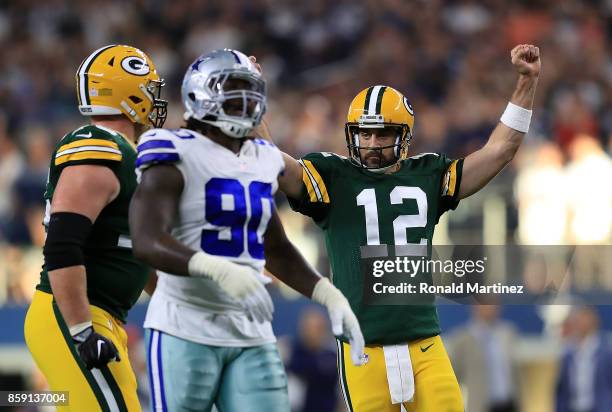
(196, 64)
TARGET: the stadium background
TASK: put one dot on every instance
(451, 58)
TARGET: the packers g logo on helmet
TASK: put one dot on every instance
(135, 65)
(408, 106)
(379, 106)
(119, 79)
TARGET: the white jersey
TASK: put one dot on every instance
(225, 206)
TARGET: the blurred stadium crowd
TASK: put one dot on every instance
(451, 58)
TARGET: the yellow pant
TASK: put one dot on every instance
(112, 388)
(365, 388)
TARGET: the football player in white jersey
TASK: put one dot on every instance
(204, 217)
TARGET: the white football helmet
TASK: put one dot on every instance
(224, 89)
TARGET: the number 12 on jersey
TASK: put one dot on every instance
(367, 199)
(227, 208)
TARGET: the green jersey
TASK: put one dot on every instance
(115, 279)
(361, 212)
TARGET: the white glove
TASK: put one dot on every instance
(343, 320)
(240, 282)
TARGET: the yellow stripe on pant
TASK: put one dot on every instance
(112, 388)
(366, 389)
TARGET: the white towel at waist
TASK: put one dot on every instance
(399, 373)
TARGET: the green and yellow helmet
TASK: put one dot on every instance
(119, 79)
(379, 106)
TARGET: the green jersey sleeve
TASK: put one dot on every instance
(315, 198)
(88, 145)
(450, 183)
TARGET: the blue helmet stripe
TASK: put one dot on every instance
(236, 56)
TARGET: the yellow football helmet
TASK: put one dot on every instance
(119, 79)
(379, 106)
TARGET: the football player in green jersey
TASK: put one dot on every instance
(381, 202)
(90, 278)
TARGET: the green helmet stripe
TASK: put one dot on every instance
(379, 99)
(367, 98)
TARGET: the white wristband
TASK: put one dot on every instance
(79, 327)
(516, 117)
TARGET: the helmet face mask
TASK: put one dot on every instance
(159, 111)
(225, 90)
(359, 153)
(241, 96)
(379, 107)
(119, 79)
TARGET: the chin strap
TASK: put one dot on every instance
(382, 170)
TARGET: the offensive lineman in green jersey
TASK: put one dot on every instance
(380, 199)
(90, 278)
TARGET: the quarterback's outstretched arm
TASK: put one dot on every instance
(482, 165)
(290, 182)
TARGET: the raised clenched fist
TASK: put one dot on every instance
(526, 59)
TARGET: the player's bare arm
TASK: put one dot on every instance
(263, 131)
(160, 186)
(81, 190)
(151, 283)
(482, 165)
(290, 182)
(285, 262)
